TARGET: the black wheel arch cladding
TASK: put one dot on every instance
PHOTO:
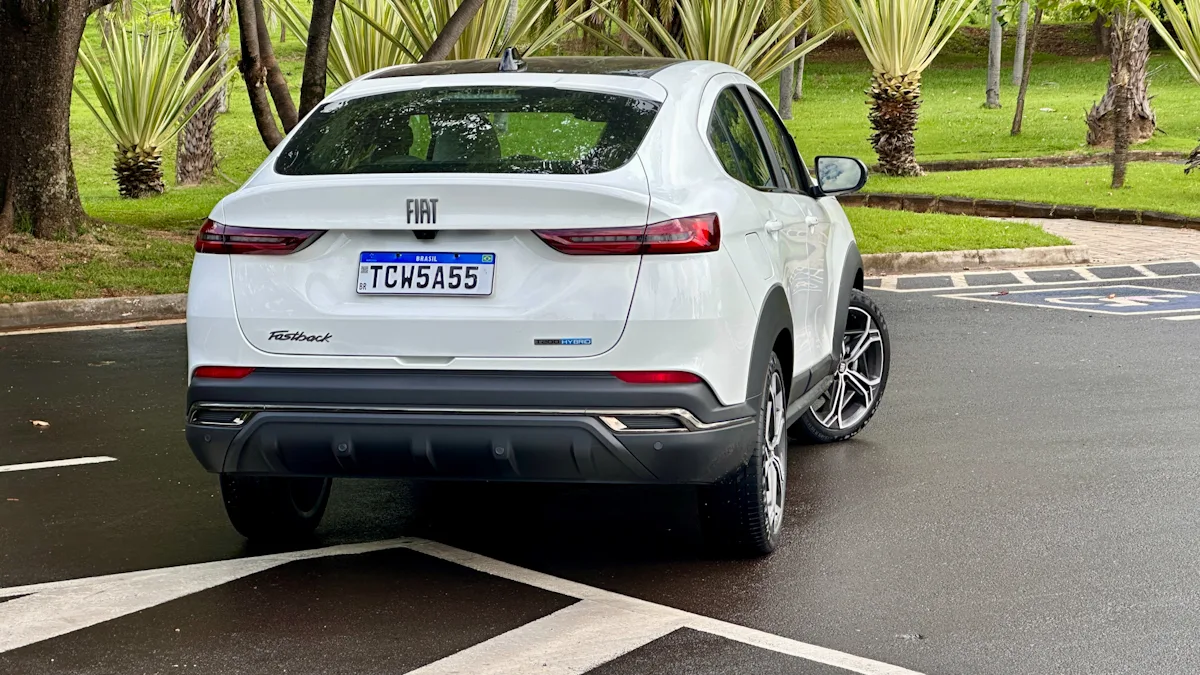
(774, 319)
(852, 278)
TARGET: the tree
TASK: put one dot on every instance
(995, 42)
(205, 23)
(821, 15)
(1128, 32)
(1019, 113)
(901, 38)
(1128, 57)
(787, 88)
(316, 57)
(1184, 43)
(39, 40)
(1019, 48)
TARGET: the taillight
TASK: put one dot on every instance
(222, 372)
(693, 234)
(217, 238)
(656, 377)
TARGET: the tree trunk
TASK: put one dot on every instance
(316, 55)
(203, 22)
(1130, 52)
(1102, 33)
(786, 86)
(799, 94)
(1193, 161)
(40, 42)
(995, 41)
(255, 75)
(277, 84)
(1125, 43)
(1019, 49)
(444, 43)
(223, 95)
(893, 116)
(1019, 115)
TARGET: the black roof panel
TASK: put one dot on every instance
(633, 66)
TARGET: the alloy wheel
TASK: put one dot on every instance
(859, 374)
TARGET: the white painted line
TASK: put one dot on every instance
(1087, 274)
(604, 623)
(77, 461)
(1023, 277)
(1031, 282)
(887, 283)
(102, 326)
(993, 298)
(958, 280)
(571, 641)
(1143, 270)
(1194, 317)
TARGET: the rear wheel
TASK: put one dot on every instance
(275, 509)
(743, 514)
(861, 375)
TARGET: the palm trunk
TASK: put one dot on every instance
(799, 94)
(1019, 115)
(1124, 42)
(786, 86)
(1019, 49)
(203, 22)
(995, 40)
(1130, 54)
(893, 116)
(222, 96)
(138, 172)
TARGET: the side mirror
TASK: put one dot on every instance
(838, 175)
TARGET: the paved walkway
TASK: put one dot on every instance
(1110, 243)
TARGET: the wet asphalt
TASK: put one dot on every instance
(1024, 502)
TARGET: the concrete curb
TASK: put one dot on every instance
(878, 264)
(53, 313)
(998, 208)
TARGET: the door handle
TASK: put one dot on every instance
(811, 221)
(774, 225)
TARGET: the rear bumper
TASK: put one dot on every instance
(566, 427)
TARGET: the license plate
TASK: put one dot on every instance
(426, 273)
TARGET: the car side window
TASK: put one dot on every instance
(732, 135)
(785, 148)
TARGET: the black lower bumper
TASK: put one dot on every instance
(293, 424)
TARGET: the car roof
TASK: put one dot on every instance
(632, 66)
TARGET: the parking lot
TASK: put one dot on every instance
(1024, 502)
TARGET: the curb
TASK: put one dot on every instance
(879, 264)
(55, 313)
(1098, 159)
(998, 208)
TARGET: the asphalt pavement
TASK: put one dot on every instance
(1024, 502)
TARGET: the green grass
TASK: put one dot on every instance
(1148, 186)
(882, 231)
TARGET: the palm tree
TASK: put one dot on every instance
(821, 15)
(145, 100)
(901, 38)
(205, 23)
(726, 31)
(1185, 43)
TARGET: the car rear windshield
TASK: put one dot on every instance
(470, 130)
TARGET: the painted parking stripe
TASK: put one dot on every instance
(603, 625)
(1121, 300)
(1193, 317)
(52, 464)
(919, 283)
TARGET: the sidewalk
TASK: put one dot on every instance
(1108, 243)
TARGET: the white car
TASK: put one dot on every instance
(603, 270)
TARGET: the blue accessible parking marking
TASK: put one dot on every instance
(1122, 300)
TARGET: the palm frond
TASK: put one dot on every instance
(900, 37)
(1185, 43)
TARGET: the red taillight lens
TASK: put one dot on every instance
(693, 234)
(217, 238)
(656, 377)
(222, 372)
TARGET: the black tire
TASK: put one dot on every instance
(743, 514)
(275, 509)
(854, 376)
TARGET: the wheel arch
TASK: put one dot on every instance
(773, 334)
(851, 279)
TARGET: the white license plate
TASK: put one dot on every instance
(425, 273)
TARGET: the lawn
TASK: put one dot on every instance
(883, 231)
(1148, 186)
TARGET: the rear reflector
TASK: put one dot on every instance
(222, 372)
(217, 238)
(693, 234)
(656, 377)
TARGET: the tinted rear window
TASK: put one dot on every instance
(470, 130)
